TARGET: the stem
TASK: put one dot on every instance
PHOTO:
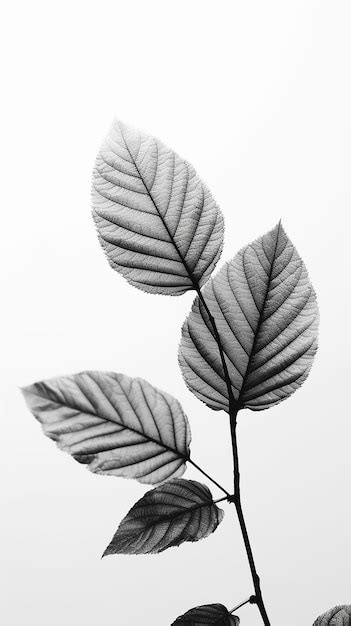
(234, 407)
(237, 502)
(209, 477)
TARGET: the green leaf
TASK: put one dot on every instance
(207, 614)
(266, 314)
(175, 512)
(115, 424)
(338, 616)
(156, 220)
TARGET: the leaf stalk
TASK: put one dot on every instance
(250, 600)
(220, 500)
(209, 478)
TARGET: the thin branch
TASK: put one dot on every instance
(209, 477)
(220, 500)
(250, 600)
(237, 502)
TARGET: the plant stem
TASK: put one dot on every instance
(233, 411)
(209, 477)
(237, 503)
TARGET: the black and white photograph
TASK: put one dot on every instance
(175, 313)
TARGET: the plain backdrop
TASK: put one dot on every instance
(256, 95)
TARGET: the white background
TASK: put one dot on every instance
(257, 96)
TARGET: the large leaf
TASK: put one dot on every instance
(178, 511)
(115, 424)
(207, 614)
(338, 616)
(157, 222)
(266, 313)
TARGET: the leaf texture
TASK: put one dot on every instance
(175, 512)
(156, 220)
(207, 614)
(115, 424)
(266, 314)
(337, 616)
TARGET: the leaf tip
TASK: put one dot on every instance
(279, 226)
(116, 123)
(106, 552)
(277, 232)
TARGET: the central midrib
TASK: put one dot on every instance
(147, 437)
(189, 272)
(254, 343)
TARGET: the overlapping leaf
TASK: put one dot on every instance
(175, 512)
(157, 222)
(115, 424)
(338, 616)
(207, 614)
(267, 317)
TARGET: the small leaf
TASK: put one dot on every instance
(175, 512)
(157, 222)
(115, 424)
(207, 614)
(338, 616)
(266, 314)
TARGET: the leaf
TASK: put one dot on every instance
(175, 512)
(207, 614)
(115, 424)
(338, 616)
(266, 314)
(156, 220)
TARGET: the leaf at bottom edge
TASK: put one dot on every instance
(207, 614)
(339, 615)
